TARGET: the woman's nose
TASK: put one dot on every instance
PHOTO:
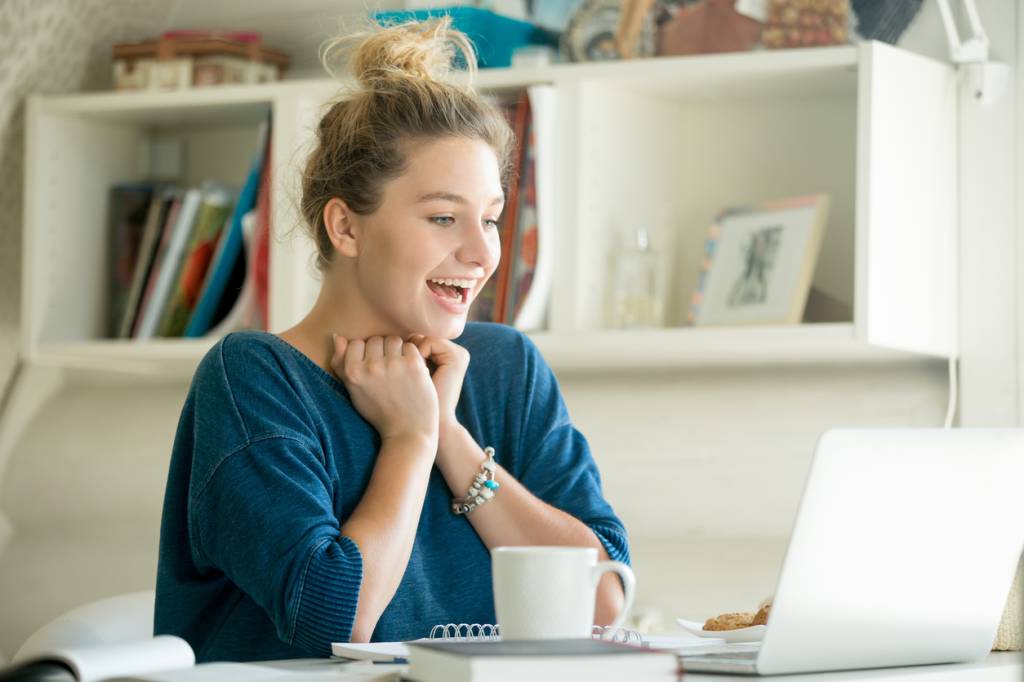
(480, 245)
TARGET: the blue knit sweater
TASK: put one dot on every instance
(270, 458)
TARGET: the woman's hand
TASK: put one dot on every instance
(451, 361)
(390, 386)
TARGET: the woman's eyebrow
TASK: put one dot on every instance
(455, 198)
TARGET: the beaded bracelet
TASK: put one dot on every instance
(482, 489)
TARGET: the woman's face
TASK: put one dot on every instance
(425, 254)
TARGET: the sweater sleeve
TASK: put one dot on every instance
(554, 458)
(265, 519)
(260, 506)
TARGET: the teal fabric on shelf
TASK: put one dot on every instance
(269, 460)
(494, 36)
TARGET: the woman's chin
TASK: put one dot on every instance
(443, 329)
(454, 329)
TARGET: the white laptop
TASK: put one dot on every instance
(903, 552)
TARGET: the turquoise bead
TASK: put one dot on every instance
(493, 485)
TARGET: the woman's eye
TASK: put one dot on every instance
(491, 223)
(444, 220)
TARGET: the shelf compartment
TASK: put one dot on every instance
(77, 148)
(872, 126)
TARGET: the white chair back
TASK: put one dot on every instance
(114, 620)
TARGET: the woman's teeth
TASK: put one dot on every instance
(455, 289)
(461, 283)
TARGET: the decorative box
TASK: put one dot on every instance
(191, 59)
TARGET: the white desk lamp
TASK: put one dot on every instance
(987, 80)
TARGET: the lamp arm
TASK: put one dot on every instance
(975, 48)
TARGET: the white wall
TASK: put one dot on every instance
(705, 467)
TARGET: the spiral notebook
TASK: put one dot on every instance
(398, 652)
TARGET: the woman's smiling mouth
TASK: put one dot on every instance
(451, 293)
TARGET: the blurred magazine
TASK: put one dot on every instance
(518, 292)
(533, 256)
(249, 310)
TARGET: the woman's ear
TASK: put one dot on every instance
(339, 220)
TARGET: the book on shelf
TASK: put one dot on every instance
(244, 305)
(129, 214)
(259, 265)
(594, 660)
(510, 221)
(531, 269)
(489, 304)
(172, 253)
(156, 217)
(160, 249)
(213, 212)
(248, 309)
(221, 279)
(518, 291)
(522, 254)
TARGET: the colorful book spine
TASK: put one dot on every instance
(532, 281)
(510, 221)
(229, 250)
(260, 271)
(129, 211)
(157, 216)
(164, 239)
(171, 264)
(522, 258)
(213, 212)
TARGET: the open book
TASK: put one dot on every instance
(161, 659)
(103, 661)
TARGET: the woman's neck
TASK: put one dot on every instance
(333, 313)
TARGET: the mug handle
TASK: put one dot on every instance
(628, 584)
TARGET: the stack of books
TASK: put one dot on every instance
(594, 660)
(190, 262)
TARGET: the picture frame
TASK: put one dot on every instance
(758, 263)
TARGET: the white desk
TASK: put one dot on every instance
(998, 667)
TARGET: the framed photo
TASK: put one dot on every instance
(758, 263)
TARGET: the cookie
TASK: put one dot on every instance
(761, 618)
(729, 621)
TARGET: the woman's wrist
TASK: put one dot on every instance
(448, 431)
(424, 443)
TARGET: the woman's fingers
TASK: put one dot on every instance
(417, 340)
(393, 346)
(354, 356)
(409, 349)
(375, 347)
(338, 356)
(437, 350)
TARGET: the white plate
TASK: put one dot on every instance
(754, 633)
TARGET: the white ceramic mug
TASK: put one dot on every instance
(549, 592)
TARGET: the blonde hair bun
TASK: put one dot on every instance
(415, 49)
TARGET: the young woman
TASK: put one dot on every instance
(319, 487)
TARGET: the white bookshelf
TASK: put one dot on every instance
(663, 143)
